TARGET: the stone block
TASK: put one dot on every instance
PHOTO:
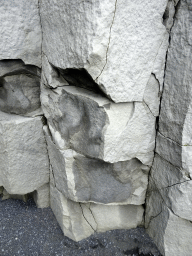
(23, 154)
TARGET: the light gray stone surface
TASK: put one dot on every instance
(100, 36)
(84, 179)
(171, 233)
(23, 154)
(94, 126)
(19, 88)
(20, 30)
(169, 205)
(79, 221)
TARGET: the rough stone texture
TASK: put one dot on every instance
(79, 220)
(42, 196)
(84, 179)
(94, 126)
(99, 35)
(23, 154)
(19, 88)
(169, 204)
(171, 233)
(20, 31)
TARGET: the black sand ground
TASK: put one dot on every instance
(28, 231)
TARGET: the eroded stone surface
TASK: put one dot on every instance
(170, 232)
(84, 179)
(94, 126)
(23, 154)
(20, 31)
(79, 220)
(128, 34)
(19, 88)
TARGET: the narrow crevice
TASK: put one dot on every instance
(41, 30)
(85, 218)
(108, 41)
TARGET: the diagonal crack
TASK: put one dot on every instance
(86, 218)
(108, 41)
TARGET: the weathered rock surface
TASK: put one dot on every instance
(84, 179)
(169, 204)
(20, 30)
(79, 220)
(101, 35)
(94, 126)
(23, 154)
(19, 88)
(171, 233)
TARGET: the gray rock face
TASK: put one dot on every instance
(94, 126)
(20, 31)
(19, 88)
(84, 179)
(169, 200)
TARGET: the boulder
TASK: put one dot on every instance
(119, 43)
(84, 179)
(171, 233)
(23, 154)
(78, 220)
(93, 126)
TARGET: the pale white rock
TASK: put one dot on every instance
(41, 196)
(99, 35)
(171, 233)
(96, 127)
(109, 217)
(20, 31)
(69, 216)
(174, 186)
(84, 179)
(23, 154)
(78, 220)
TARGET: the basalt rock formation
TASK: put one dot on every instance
(95, 114)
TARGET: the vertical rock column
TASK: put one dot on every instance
(169, 200)
(24, 165)
(103, 67)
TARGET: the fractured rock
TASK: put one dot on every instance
(23, 154)
(20, 31)
(79, 221)
(171, 233)
(96, 127)
(84, 179)
(99, 35)
(19, 88)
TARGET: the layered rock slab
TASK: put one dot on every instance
(84, 179)
(79, 221)
(170, 232)
(96, 127)
(20, 31)
(110, 32)
(23, 154)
